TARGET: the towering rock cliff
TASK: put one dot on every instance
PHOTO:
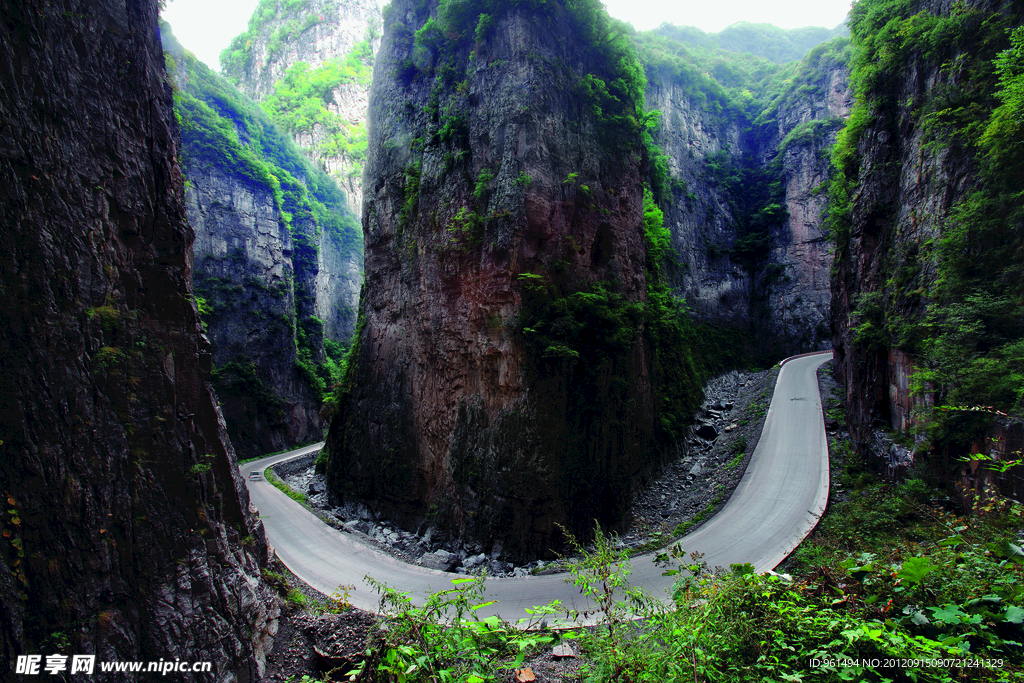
(127, 531)
(746, 156)
(926, 216)
(278, 261)
(512, 294)
(699, 212)
(806, 122)
(505, 378)
(309, 63)
(282, 33)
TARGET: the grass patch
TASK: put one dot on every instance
(287, 490)
(738, 449)
(735, 462)
(758, 409)
(296, 598)
(657, 541)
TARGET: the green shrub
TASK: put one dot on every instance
(444, 641)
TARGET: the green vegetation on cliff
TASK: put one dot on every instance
(585, 336)
(301, 98)
(778, 45)
(613, 89)
(239, 56)
(223, 130)
(310, 101)
(952, 299)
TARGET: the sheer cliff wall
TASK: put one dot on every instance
(748, 196)
(278, 261)
(127, 529)
(926, 216)
(486, 199)
(800, 298)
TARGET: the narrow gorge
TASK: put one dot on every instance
(278, 261)
(491, 252)
(523, 363)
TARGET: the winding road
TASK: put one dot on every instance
(777, 503)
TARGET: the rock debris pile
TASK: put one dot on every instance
(687, 492)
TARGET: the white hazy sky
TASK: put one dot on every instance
(207, 26)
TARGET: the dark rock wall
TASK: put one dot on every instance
(908, 171)
(799, 299)
(714, 287)
(265, 262)
(446, 421)
(784, 301)
(132, 536)
(902, 195)
(243, 253)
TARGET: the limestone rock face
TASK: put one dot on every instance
(335, 26)
(702, 216)
(243, 258)
(909, 182)
(449, 420)
(267, 260)
(800, 301)
(131, 536)
(786, 298)
(339, 277)
(313, 33)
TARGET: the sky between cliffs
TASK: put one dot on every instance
(206, 27)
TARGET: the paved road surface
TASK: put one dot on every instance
(783, 492)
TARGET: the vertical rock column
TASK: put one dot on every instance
(127, 530)
(484, 200)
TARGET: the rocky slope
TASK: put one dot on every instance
(501, 383)
(926, 216)
(277, 262)
(127, 531)
(289, 45)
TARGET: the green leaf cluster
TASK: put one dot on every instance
(445, 640)
(868, 607)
